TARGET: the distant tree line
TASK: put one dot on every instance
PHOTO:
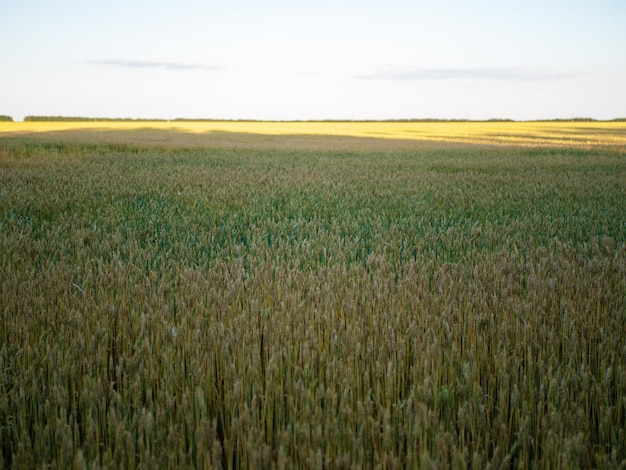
(577, 119)
(104, 119)
(87, 119)
(580, 119)
(216, 120)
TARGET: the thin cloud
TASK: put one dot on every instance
(143, 64)
(488, 73)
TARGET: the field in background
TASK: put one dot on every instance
(329, 135)
(233, 297)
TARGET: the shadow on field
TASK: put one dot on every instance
(180, 138)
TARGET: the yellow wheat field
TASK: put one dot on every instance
(331, 134)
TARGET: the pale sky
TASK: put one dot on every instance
(278, 59)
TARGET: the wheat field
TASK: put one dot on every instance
(328, 135)
(268, 297)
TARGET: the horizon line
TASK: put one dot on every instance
(43, 118)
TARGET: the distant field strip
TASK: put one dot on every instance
(534, 134)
